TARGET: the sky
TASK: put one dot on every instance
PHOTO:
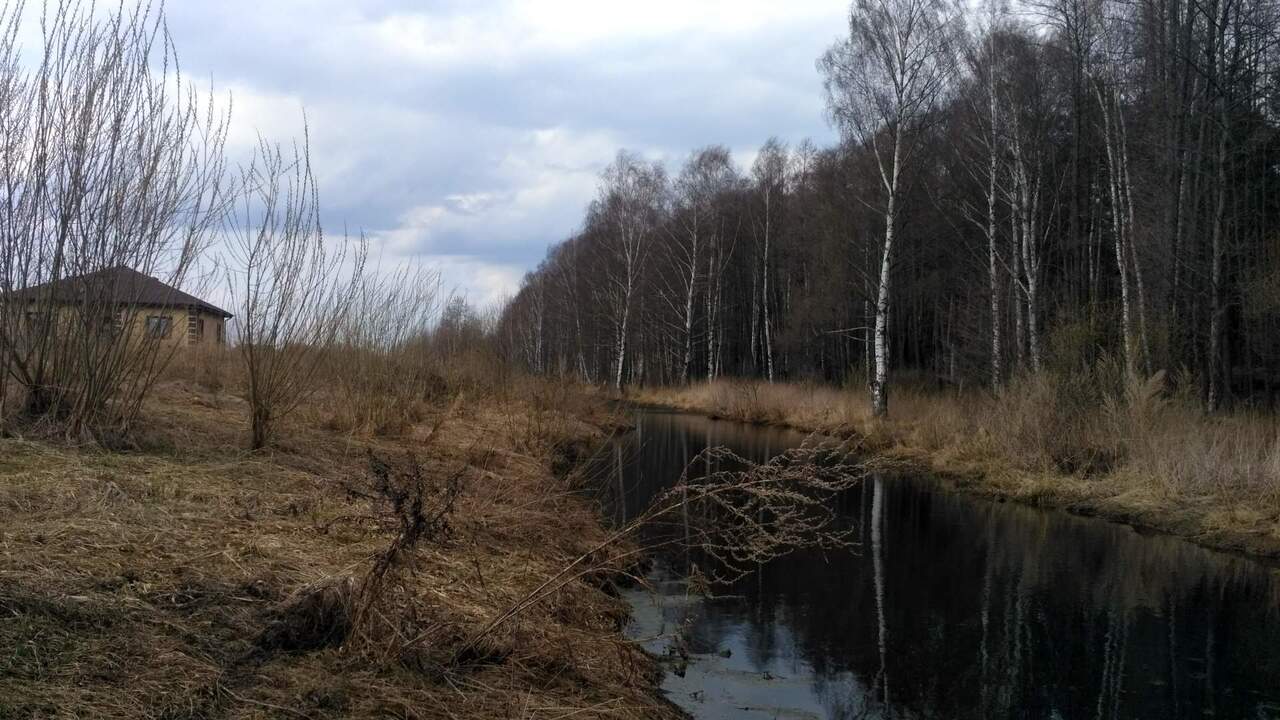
(469, 134)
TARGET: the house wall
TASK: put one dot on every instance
(188, 328)
(206, 331)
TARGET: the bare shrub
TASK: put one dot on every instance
(292, 290)
(536, 422)
(111, 163)
(414, 508)
(462, 346)
(382, 373)
(379, 611)
(1184, 452)
(1054, 420)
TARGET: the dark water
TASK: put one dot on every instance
(953, 607)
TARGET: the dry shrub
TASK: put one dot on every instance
(1052, 421)
(375, 394)
(536, 422)
(390, 616)
(380, 375)
(938, 422)
(386, 394)
(1184, 452)
(378, 613)
(478, 372)
(215, 371)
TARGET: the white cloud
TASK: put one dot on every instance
(484, 284)
(539, 190)
(501, 33)
(473, 131)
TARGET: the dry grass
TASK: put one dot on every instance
(1095, 440)
(192, 579)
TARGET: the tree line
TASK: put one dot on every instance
(1015, 189)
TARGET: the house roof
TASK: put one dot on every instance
(125, 285)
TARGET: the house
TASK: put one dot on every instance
(155, 310)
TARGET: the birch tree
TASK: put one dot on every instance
(1029, 116)
(1107, 77)
(987, 140)
(883, 83)
(694, 233)
(632, 196)
(770, 174)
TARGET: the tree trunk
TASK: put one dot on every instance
(993, 257)
(880, 378)
(764, 293)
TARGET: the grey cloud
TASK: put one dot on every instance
(488, 151)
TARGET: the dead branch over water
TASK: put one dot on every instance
(737, 518)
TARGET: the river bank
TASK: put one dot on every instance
(188, 578)
(1213, 481)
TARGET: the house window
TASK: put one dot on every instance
(222, 332)
(199, 330)
(158, 326)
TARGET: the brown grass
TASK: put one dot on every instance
(192, 579)
(1095, 440)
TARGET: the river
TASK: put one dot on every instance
(949, 606)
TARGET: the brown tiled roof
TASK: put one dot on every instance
(126, 286)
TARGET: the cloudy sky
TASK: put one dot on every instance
(470, 132)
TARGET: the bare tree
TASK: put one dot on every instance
(384, 372)
(110, 165)
(1108, 79)
(883, 84)
(986, 63)
(770, 174)
(632, 197)
(688, 241)
(292, 291)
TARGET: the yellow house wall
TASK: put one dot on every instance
(185, 327)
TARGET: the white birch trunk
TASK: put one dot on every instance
(1031, 268)
(879, 381)
(993, 257)
(1118, 227)
(690, 294)
(621, 345)
(764, 293)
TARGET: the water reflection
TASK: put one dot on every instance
(956, 607)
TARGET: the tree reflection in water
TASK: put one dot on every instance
(955, 607)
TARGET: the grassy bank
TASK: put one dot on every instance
(1096, 442)
(188, 578)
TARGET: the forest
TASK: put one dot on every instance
(1018, 188)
